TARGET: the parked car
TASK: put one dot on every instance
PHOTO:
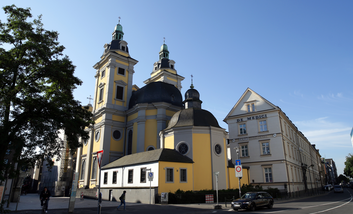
(328, 187)
(338, 188)
(253, 200)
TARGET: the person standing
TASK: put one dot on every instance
(44, 196)
(122, 200)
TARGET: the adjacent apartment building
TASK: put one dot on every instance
(277, 153)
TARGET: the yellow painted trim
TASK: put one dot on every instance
(151, 133)
(121, 62)
(172, 79)
(122, 53)
(118, 118)
(132, 117)
(169, 142)
(151, 112)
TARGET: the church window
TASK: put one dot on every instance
(183, 148)
(129, 143)
(117, 135)
(83, 167)
(121, 71)
(130, 176)
(103, 74)
(85, 141)
(143, 175)
(172, 66)
(94, 168)
(105, 180)
(169, 175)
(263, 125)
(183, 175)
(123, 48)
(114, 177)
(101, 90)
(119, 92)
(155, 68)
(218, 149)
(242, 128)
(97, 135)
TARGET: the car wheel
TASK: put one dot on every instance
(270, 205)
(252, 207)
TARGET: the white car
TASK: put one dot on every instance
(338, 188)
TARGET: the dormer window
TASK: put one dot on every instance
(172, 66)
(123, 48)
(250, 107)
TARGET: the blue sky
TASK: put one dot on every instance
(296, 54)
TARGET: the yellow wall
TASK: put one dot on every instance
(233, 181)
(132, 117)
(169, 142)
(118, 118)
(117, 145)
(96, 144)
(98, 120)
(202, 161)
(151, 112)
(84, 148)
(169, 113)
(122, 53)
(172, 187)
(134, 138)
(174, 80)
(151, 133)
(124, 79)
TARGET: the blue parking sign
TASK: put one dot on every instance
(237, 162)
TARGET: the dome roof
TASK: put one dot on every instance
(193, 117)
(192, 94)
(164, 47)
(157, 92)
(118, 27)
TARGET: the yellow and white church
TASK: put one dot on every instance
(150, 135)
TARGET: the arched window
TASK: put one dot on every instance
(94, 168)
(129, 143)
(83, 166)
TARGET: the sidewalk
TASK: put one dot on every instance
(32, 202)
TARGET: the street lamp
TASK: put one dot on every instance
(146, 170)
(217, 206)
(237, 151)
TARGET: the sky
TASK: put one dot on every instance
(296, 54)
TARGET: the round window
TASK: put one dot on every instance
(183, 148)
(150, 148)
(218, 149)
(97, 135)
(116, 134)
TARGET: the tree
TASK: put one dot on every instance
(36, 93)
(341, 178)
(348, 169)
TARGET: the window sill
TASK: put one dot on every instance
(265, 154)
(263, 131)
(244, 156)
(100, 101)
(119, 100)
(242, 134)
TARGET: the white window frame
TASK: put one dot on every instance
(116, 177)
(242, 128)
(128, 176)
(246, 145)
(262, 147)
(105, 178)
(267, 170)
(263, 127)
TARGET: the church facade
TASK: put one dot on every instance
(132, 124)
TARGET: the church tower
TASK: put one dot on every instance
(164, 70)
(113, 89)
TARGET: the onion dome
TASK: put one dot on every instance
(193, 117)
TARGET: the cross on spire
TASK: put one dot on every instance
(163, 40)
(192, 82)
(89, 99)
(119, 20)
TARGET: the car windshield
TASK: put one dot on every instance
(248, 195)
(338, 186)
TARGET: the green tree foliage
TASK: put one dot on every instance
(348, 169)
(342, 179)
(36, 92)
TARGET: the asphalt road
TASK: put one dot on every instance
(341, 203)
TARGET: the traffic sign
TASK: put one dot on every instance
(150, 176)
(237, 162)
(238, 171)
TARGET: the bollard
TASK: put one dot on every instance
(81, 196)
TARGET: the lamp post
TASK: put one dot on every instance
(146, 170)
(217, 206)
(237, 151)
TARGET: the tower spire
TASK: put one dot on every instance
(192, 82)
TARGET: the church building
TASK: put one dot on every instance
(150, 129)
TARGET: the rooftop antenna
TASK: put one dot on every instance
(192, 85)
(89, 99)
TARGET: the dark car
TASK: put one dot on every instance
(253, 200)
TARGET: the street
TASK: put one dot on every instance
(328, 203)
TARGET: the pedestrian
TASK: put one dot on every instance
(44, 196)
(122, 199)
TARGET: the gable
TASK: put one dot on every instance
(253, 100)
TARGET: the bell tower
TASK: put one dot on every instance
(164, 70)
